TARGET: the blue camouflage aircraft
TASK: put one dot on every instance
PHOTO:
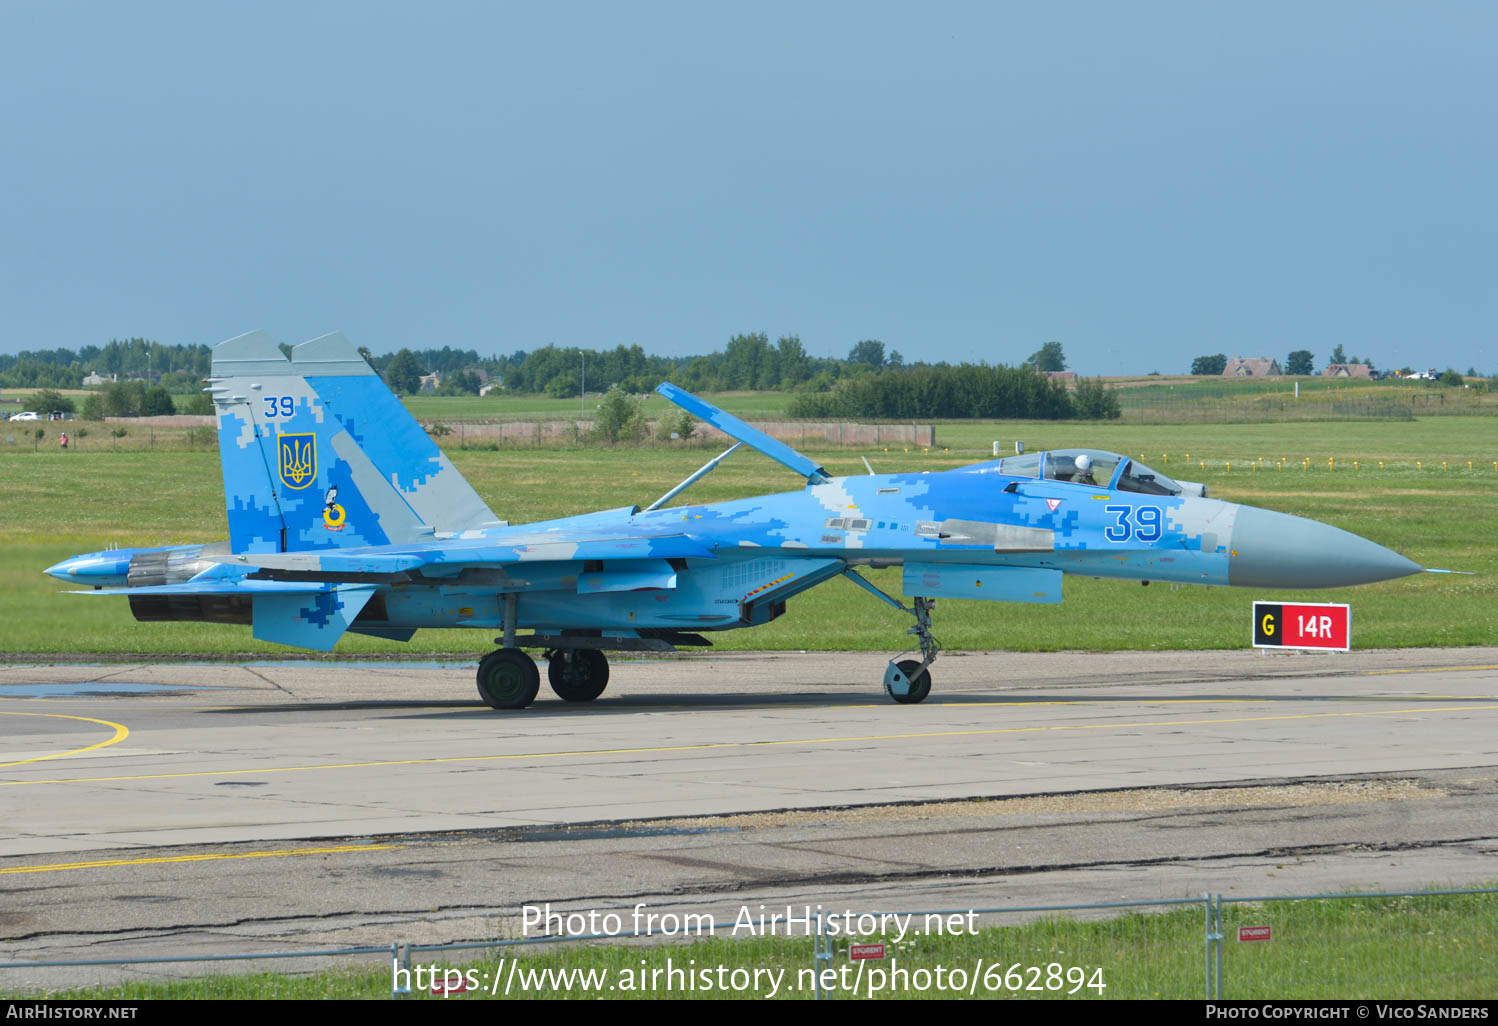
(345, 516)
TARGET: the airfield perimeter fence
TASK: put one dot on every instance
(198, 434)
(1144, 408)
(1433, 944)
(183, 433)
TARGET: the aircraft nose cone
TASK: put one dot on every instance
(1276, 550)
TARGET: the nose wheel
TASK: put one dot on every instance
(508, 679)
(907, 681)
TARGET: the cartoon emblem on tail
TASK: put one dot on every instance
(296, 456)
(332, 514)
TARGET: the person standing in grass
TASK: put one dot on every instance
(62, 440)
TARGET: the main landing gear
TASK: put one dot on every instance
(509, 679)
(908, 681)
(577, 674)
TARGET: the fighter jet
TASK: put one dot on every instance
(345, 516)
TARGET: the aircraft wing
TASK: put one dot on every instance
(305, 614)
(547, 546)
(218, 586)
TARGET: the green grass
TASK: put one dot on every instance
(1406, 947)
(1254, 400)
(54, 505)
(1426, 947)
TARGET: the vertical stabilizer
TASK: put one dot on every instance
(295, 478)
(255, 523)
(389, 436)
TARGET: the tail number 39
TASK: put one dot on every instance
(1139, 522)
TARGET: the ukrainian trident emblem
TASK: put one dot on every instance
(297, 456)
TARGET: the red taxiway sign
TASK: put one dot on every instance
(1307, 625)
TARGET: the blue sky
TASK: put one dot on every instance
(1143, 182)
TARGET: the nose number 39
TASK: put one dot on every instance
(1139, 522)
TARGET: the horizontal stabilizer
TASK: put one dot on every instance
(314, 621)
(753, 437)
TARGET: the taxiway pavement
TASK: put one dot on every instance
(208, 806)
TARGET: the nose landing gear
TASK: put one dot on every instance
(907, 681)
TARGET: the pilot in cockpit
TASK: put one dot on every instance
(1083, 473)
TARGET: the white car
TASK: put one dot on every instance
(28, 415)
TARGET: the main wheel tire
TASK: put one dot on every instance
(582, 681)
(508, 679)
(920, 686)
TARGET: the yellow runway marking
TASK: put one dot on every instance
(104, 863)
(120, 733)
(708, 746)
(1430, 669)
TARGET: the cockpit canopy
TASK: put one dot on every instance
(1081, 466)
(1095, 468)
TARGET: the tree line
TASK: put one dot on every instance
(872, 381)
(121, 399)
(961, 391)
(748, 362)
(1301, 361)
(178, 369)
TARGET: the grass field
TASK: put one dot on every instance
(1404, 485)
(1426, 947)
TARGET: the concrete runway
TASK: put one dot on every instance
(218, 807)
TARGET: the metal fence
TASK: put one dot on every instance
(1415, 944)
(1148, 406)
(170, 434)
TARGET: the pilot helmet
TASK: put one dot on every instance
(1084, 464)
